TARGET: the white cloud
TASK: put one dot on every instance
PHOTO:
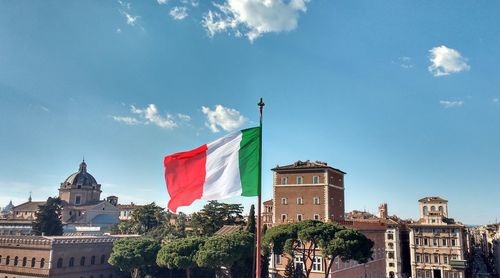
(184, 117)
(445, 61)
(118, 30)
(193, 3)
(405, 62)
(126, 5)
(151, 115)
(162, 2)
(131, 19)
(178, 13)
(495, 99)
(253, 18)
(451, 104)
(222, 117)
(126, 120)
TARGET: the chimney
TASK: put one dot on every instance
(382, 211)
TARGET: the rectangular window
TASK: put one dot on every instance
(284, 201)
(317, 264)
(300, 201)
(77, 200)
(417, 258)
(390, 255)
(443, 242)
(299, 217)
(284, 180)
(436, 259)
(390, 236)
(435, 242)
(426, 242)
(316, 200)
(427, 259)
(315, 179)
(453, 242)
(417, 241)
(445, 259)
(299, 262)
(283, 218)
(316, 217)
(300, 180)
(277, 259)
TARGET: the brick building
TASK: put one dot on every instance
(307, 190)
(58, 256)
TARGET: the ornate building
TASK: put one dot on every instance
(82, 207)
(437, 243)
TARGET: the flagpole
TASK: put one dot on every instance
(259, 202)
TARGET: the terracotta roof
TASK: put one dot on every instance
(268, 202)
(432, 199)
(130, 206)
(306, 165)
(28, 206)
(229, 229)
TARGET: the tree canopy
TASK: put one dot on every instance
(48, 218)
(146, 218)
(305, 237)
(227, 251)
(180, 254)
(214, 216)
(134, 255)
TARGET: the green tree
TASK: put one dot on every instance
(347, 244)
(146, 218)
(305, 238)
(230, 251)
(48, 218)
(134, 255)
(180, 254)
(214, 215)
(251, 223)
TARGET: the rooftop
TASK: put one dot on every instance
(306, 165)
(432, 199)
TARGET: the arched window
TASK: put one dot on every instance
(433, 208)
(7, 261)
(59, 263)
(16, 260)
(82, 261)
(441, 209)
(33, 262)
(103, 259)
(42, 263)
(71, 262)
(25, 261)
(92, 260)
(426, 210)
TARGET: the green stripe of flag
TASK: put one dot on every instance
(249, 161)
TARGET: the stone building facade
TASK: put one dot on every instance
(437, 243)
(60, 256)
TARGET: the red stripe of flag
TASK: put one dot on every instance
(185, 175)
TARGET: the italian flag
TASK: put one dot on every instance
(226, 167)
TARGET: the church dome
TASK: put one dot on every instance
(81, 178)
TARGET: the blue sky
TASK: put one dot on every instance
(401, 95)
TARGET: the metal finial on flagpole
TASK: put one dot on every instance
(259, 202)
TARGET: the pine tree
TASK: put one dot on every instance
(251, 226)
(48, 218)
